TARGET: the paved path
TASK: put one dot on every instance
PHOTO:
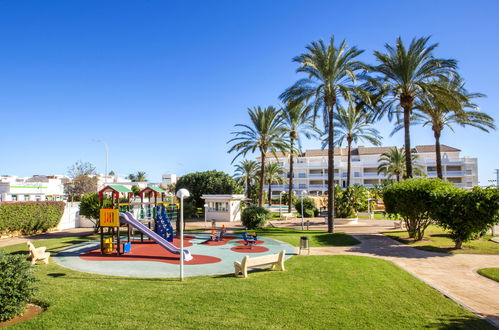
(452, 274)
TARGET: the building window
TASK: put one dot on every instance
(218, 207)
(469, 172)
(26, 197)
(14, 198)
(38, 198)
(356, 174)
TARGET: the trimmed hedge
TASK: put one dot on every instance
(254, 217)
(16, 285)
(30, 217)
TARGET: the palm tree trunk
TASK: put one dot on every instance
(407, 141)
(330, 172)
(349, 162)
(247, 186)
(270, 193)
(398, 178)
(262, 173)
(436, 134)
(290, 190)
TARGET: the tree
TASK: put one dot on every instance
(138, 177)
(136, 190)
(330, 73)
(274, 173)
(453, 107)
(408, 74)
(298, 119)
(81, 168)
(245, 174)
(208, 182)
(265, 133)
(112, 173)
(354, 126)
(132, 177)
(393, 163)
(90, 207)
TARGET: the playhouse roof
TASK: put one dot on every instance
(115, 187)
(155, 190)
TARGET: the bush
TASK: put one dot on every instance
(90, 207)
(254, 217)
(30, 217)
(285, 198)
(16, 285)
(466, 214)
(413, 200)
(350, 200)
(309, 208)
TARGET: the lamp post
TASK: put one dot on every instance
(107, 157)
(205, 209)
(182, 193)
(303, 194)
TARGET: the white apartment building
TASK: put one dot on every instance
(36, 188)
(310, 168)
(168, 179)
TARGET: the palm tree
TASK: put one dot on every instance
(245, 173)
(354, 126)
(408, 74)
(265, 133)
(274, 173)
(330, 72)
(141, 176)
(393, 163)
(298, 119)
(440, 111)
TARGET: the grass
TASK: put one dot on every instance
(437, 239)
(492, 273)
(321, 292)
(317, 238)
(377, 216)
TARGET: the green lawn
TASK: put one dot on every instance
(437, 239)
(492, 273)
(317, 238)
(322, 292)
(377, 216)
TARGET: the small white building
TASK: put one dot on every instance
(168, 179)
(225, 208)
(36, 188)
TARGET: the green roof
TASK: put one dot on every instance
(118, 188)
(156, 189)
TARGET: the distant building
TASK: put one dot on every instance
(310, 167)
(168, 179)
(36, 188)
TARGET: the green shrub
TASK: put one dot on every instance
(30, 217)
(466, 214)
(413, 200)
(254, 217)
(90, 207)
(349, 201)
(285, 198)
(309, 208)
(16, 285)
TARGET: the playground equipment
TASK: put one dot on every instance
(120, 214)
(217, 237)
(250, 239)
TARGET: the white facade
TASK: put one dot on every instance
(225, 208)
(310, 168)
(36, 188)
(168, 179)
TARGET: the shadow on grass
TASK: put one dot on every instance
(337, 239)
(461, 323)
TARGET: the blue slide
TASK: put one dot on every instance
(163, 225)
(128, 218)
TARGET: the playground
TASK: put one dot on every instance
(137, 239)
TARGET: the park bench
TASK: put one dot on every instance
(38, 253)
(287, 216)
(271, 260)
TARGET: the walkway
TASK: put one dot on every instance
(452, 274)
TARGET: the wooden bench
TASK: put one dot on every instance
(247, 262)
(38, 253)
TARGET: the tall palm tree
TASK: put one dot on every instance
(274, 173)
(393, 163)
(330, 72)
(141, 176)
(265, 134)
(245, 173)
(407, 74)
(298, 120)
(354, 126)
(440, 111)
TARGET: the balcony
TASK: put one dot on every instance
(317, 187)
(371, 175)
(453, 173)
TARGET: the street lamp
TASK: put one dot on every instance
(280, 203)
(303, 194)
(107, 157)
(205, 211)
(182, 193)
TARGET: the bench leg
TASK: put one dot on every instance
(245, 272)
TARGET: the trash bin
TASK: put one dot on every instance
(304, 244)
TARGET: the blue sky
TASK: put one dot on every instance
(163, 83)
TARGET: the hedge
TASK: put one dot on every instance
(254, 217)
(30, 217)
(16, 285)
(309, 208)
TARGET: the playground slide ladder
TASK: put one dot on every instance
(127, 217)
